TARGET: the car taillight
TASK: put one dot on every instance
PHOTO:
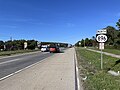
(52, 49)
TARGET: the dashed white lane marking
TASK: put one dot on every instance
(11, 61)
(14, 60)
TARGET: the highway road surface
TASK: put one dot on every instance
(10, 65)
(46, 71)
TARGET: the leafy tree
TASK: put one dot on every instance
(1, 45)
(90, 43)
(32, 44)
(94, 41)
(111, 34)
(118, 24)
(19, 44)
(8, 45)
(82, 42)
(77, 44)
(86, 42)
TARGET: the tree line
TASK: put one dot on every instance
(113, 35)
(17, 44)
(31, 44)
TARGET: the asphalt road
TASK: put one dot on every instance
(56, 72)
(12, 64)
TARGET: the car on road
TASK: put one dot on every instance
(44, 48)
(54, 49)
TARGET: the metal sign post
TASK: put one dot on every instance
(101, 47)
(101, 59)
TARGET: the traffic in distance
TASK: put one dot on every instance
(52, 48)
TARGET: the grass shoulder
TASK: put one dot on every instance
(113, 51)
(8, 53)
(97, 79)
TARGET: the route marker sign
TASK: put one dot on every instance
(101, 38)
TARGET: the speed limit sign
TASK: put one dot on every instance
(101, 38)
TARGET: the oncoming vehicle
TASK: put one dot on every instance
(44, 48)
(53, 49)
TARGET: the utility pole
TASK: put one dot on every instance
(84, 43)
(11, 38)
(11, 44)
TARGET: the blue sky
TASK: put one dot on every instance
(56, 20)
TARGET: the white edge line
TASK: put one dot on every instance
(77, 72)
(78, 80)
(20, 70)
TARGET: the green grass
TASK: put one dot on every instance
(8, 53)
(114, 51)
(89, 65)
